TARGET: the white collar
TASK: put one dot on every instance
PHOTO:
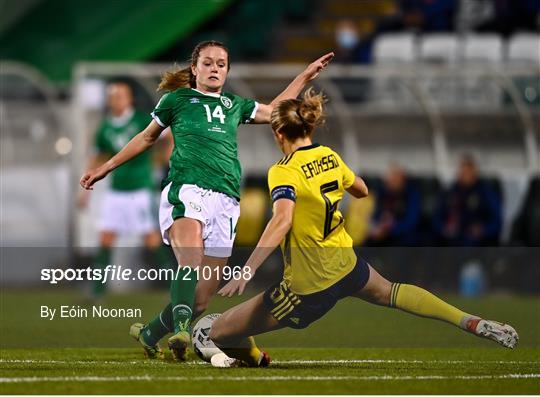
(121, 120)
(212, 94)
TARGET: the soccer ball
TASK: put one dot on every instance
(202, 345)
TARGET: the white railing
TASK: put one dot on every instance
(415, 82)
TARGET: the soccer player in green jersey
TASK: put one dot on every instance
(199, 204)
(127, 206)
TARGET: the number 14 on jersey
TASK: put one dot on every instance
(217, 113)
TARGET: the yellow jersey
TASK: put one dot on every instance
(317, 250)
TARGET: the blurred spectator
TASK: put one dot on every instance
(424, 16)
(502, 16)
(397, 211)
(469, 212)
(473, 13)
(510, 16)
(352, 46)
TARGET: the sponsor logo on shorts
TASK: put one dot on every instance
(196, 207)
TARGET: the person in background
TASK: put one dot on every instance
(397, 212)
(129, 205)
(352, 46)
(469, 213)
(423, 16)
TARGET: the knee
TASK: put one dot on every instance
(187, 256)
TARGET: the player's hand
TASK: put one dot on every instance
(91, 177)
(316, 67)
(232, 287)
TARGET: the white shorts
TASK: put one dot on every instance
(127, 212)
(217, 212)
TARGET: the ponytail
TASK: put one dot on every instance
(298, 118)
(310, 109)
(176, 78)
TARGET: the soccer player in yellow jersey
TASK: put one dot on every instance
(320, 264)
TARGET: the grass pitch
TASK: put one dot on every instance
(356, 349)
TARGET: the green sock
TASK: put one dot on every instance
(103, 259)
(162, 257)
(183, 298)
(159, 258)
(157, 328)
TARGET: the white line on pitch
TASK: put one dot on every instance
(377, 361)
(359, 361)
(33, 379)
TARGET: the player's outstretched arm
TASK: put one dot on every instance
(294, 88)
(273, 234)
(138, 144)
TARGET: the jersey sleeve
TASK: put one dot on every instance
(282, 183)
(249, 109)
(348, 175)
(163, 113)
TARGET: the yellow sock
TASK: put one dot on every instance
(246, 351)
(416, 300)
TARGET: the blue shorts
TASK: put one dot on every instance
(299, 311)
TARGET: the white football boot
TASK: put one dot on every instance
(503, 334)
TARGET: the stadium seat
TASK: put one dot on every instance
(526, 227)
(483, 48)
(395, 48)
(524, 48)
(439, 48)
(524, 51)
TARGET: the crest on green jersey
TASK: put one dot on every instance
(226, 102)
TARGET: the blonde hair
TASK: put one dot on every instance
(297, 118)
(176, 77)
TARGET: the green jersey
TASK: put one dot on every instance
(204, 128)
(112, 135)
